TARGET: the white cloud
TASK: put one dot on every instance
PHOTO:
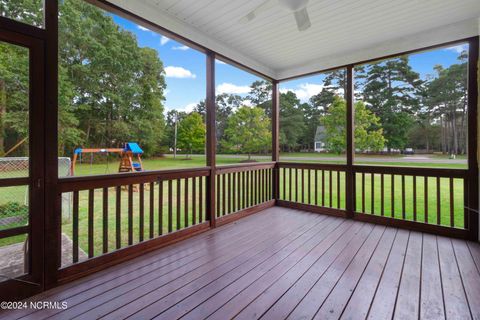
(181, 48)
(179, 72)
(458, 49)
(305, 90)
(186, 108)
(220, 62)
(189, 107)
(142, 28)
(232, 88)
(164, 40)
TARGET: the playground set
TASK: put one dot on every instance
(127, 155)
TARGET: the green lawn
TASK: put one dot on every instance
(331, 199)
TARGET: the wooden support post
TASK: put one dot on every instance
(211, 139)
(275, 138)
(350, 174)
(472, 202)
(53, 200)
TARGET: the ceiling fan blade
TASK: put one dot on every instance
(302, 19)
(265, 6)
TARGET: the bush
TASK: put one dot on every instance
(12, 209)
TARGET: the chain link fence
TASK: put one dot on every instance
(14, 206)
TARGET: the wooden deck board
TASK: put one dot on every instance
(283, 263)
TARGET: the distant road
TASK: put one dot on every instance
(413, 158)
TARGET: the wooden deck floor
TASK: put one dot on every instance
(284, 263)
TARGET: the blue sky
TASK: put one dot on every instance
(185, 70)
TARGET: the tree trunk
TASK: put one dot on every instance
(455, 133)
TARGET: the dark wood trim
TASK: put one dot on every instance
(93, 265)
(313, 165)
(14, 231)
(472, 204)
(243, 167)
(276, 138)
(11, 182)
(211, 140)
(414, 171)
(413, 225)
(350, 151)
(53, 205)
(380, 58)
(120, 179)
(245, 212)
(23, 28)
(311, 208)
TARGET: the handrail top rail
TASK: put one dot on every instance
(68, 184)
(415, 171)
(229, 168)
(247, 164)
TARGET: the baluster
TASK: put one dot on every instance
(439, 219)
(90, 222)
(179, 204)
(414, 198)
(141, 218)
(194, 201)
(75, 227)
(152, 209)
(118, 218)
(170, 206)
(186, 223)
(452, 219)
(130, 215)
(160, 207)
(105, 220)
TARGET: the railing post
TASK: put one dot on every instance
(52, 207)
(350, 151)
(211, 139)
(472, 198)
(275, 139)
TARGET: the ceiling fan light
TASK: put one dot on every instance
(302, 19)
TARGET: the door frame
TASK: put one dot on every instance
(32, 282)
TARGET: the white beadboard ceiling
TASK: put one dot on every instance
(342, 32)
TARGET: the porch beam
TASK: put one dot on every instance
(275, 137)
(53, 200)
(472, 201)
(350, 151)
(211, 138)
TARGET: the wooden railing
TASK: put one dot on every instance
(426, 195)
(118, 216)
(425, 199)
(109, 218)
(114, 212)
(239, 187)
(314, 185)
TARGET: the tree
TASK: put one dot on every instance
(115, 88)
(368, 135)
(292, 123)
(261, 96)
(389, 89)
(448, 93)
(191, 133)
(248, 131)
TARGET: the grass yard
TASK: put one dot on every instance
(375, 205)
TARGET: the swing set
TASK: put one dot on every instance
(127, 154)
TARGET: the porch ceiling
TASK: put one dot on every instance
(342, 31)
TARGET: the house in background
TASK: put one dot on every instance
(319, 140)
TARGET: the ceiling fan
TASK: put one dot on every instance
(297, 7)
